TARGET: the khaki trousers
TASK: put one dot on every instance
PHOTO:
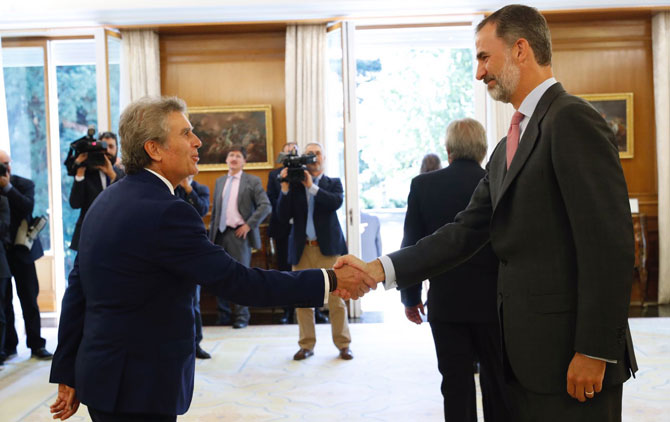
(312, 258)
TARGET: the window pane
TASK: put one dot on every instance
(23, 70)
(77, 109)
(114, 61)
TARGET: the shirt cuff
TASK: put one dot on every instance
(605, 360)
(389, 272)
(7, 188)
(79, 178)
(326, 291)
(313, 190)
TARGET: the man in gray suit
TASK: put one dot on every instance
(240, 205)
(554, 206)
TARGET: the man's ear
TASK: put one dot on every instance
(153, 150)
(524, 52)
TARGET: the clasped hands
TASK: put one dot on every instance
(356, 277)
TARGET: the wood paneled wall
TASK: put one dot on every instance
(227, 68)
(608, 53)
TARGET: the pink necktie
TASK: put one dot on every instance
(513, 136)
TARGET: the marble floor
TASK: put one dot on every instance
(393, 377)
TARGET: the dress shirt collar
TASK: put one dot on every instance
(169, 185)
(529, 103)
(237, 176)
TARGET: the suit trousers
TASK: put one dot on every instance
(4, 282)
(100, 416)
(27, 288)
(528, 406)
(339, 325)
(240, 250)
(458, 345)
(197, 315)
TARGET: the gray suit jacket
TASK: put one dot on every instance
(252, 203)
(559, 221)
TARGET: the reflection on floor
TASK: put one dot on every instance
(392, 378)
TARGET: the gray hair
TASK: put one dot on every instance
(430, 162)
(517, 21)
(318, 144)
(145, 120)
(466, 140)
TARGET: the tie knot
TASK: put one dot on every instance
(517, 117)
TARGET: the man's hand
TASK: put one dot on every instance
(373, 268)
(284, 175)
(242, 231)
(186, 185)
(107, 169)
(352, 283)
(4, 180)
(412, 313)
(308, 180)
(585, 375)
(66, 403)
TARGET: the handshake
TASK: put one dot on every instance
(356, 277)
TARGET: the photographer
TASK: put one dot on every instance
(312, 199)
(91, 178)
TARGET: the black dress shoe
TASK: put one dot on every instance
(240, 324)
(320, 317)
(201, 354)
(10, 353)
(303, 354)
(283, 319)
(42, 354)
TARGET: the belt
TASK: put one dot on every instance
(311, 243)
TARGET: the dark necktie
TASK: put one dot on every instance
(513, 136)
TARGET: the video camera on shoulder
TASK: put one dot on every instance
(296, 165)
(95, 148)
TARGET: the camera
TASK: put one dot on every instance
(296, 165)
(3, 169)
(95, 148)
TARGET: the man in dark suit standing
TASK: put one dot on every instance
(90, 181)
(316, 240)
(461, 302)
(198, 196)
(126, 344)
(20, 193)
(5, 273)
(240, 206)
(278, 231)
(554, 205)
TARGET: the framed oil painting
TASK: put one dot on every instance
(220, 128)
(617, 110)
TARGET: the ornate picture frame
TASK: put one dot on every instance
(617, 109)
(221, 127)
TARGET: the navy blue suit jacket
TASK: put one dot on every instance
(466, 293)
(126, 338)
(328, 231)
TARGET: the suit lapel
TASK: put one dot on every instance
(243, 185)
(529, 137)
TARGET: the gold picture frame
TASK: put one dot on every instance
(617, 110)
(221, 127)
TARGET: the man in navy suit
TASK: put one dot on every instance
(126, 344)
(461, 302)
(316, 240)
(20, 193)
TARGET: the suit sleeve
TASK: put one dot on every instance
(285, 206)
(4, 220)
(331, 199)
(182, 247)
(450, 245)
(199, 198)
(70, 331)
(591, 181)
(78, 194)
(24, 199)
(262, 202)
(273, 192)
(413, 231)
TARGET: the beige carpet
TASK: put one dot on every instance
(393, 377)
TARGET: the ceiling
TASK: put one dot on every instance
(33, 14)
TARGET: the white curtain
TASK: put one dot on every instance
(4, 127)
(305, 84)
(140, 64)
(661, 51)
